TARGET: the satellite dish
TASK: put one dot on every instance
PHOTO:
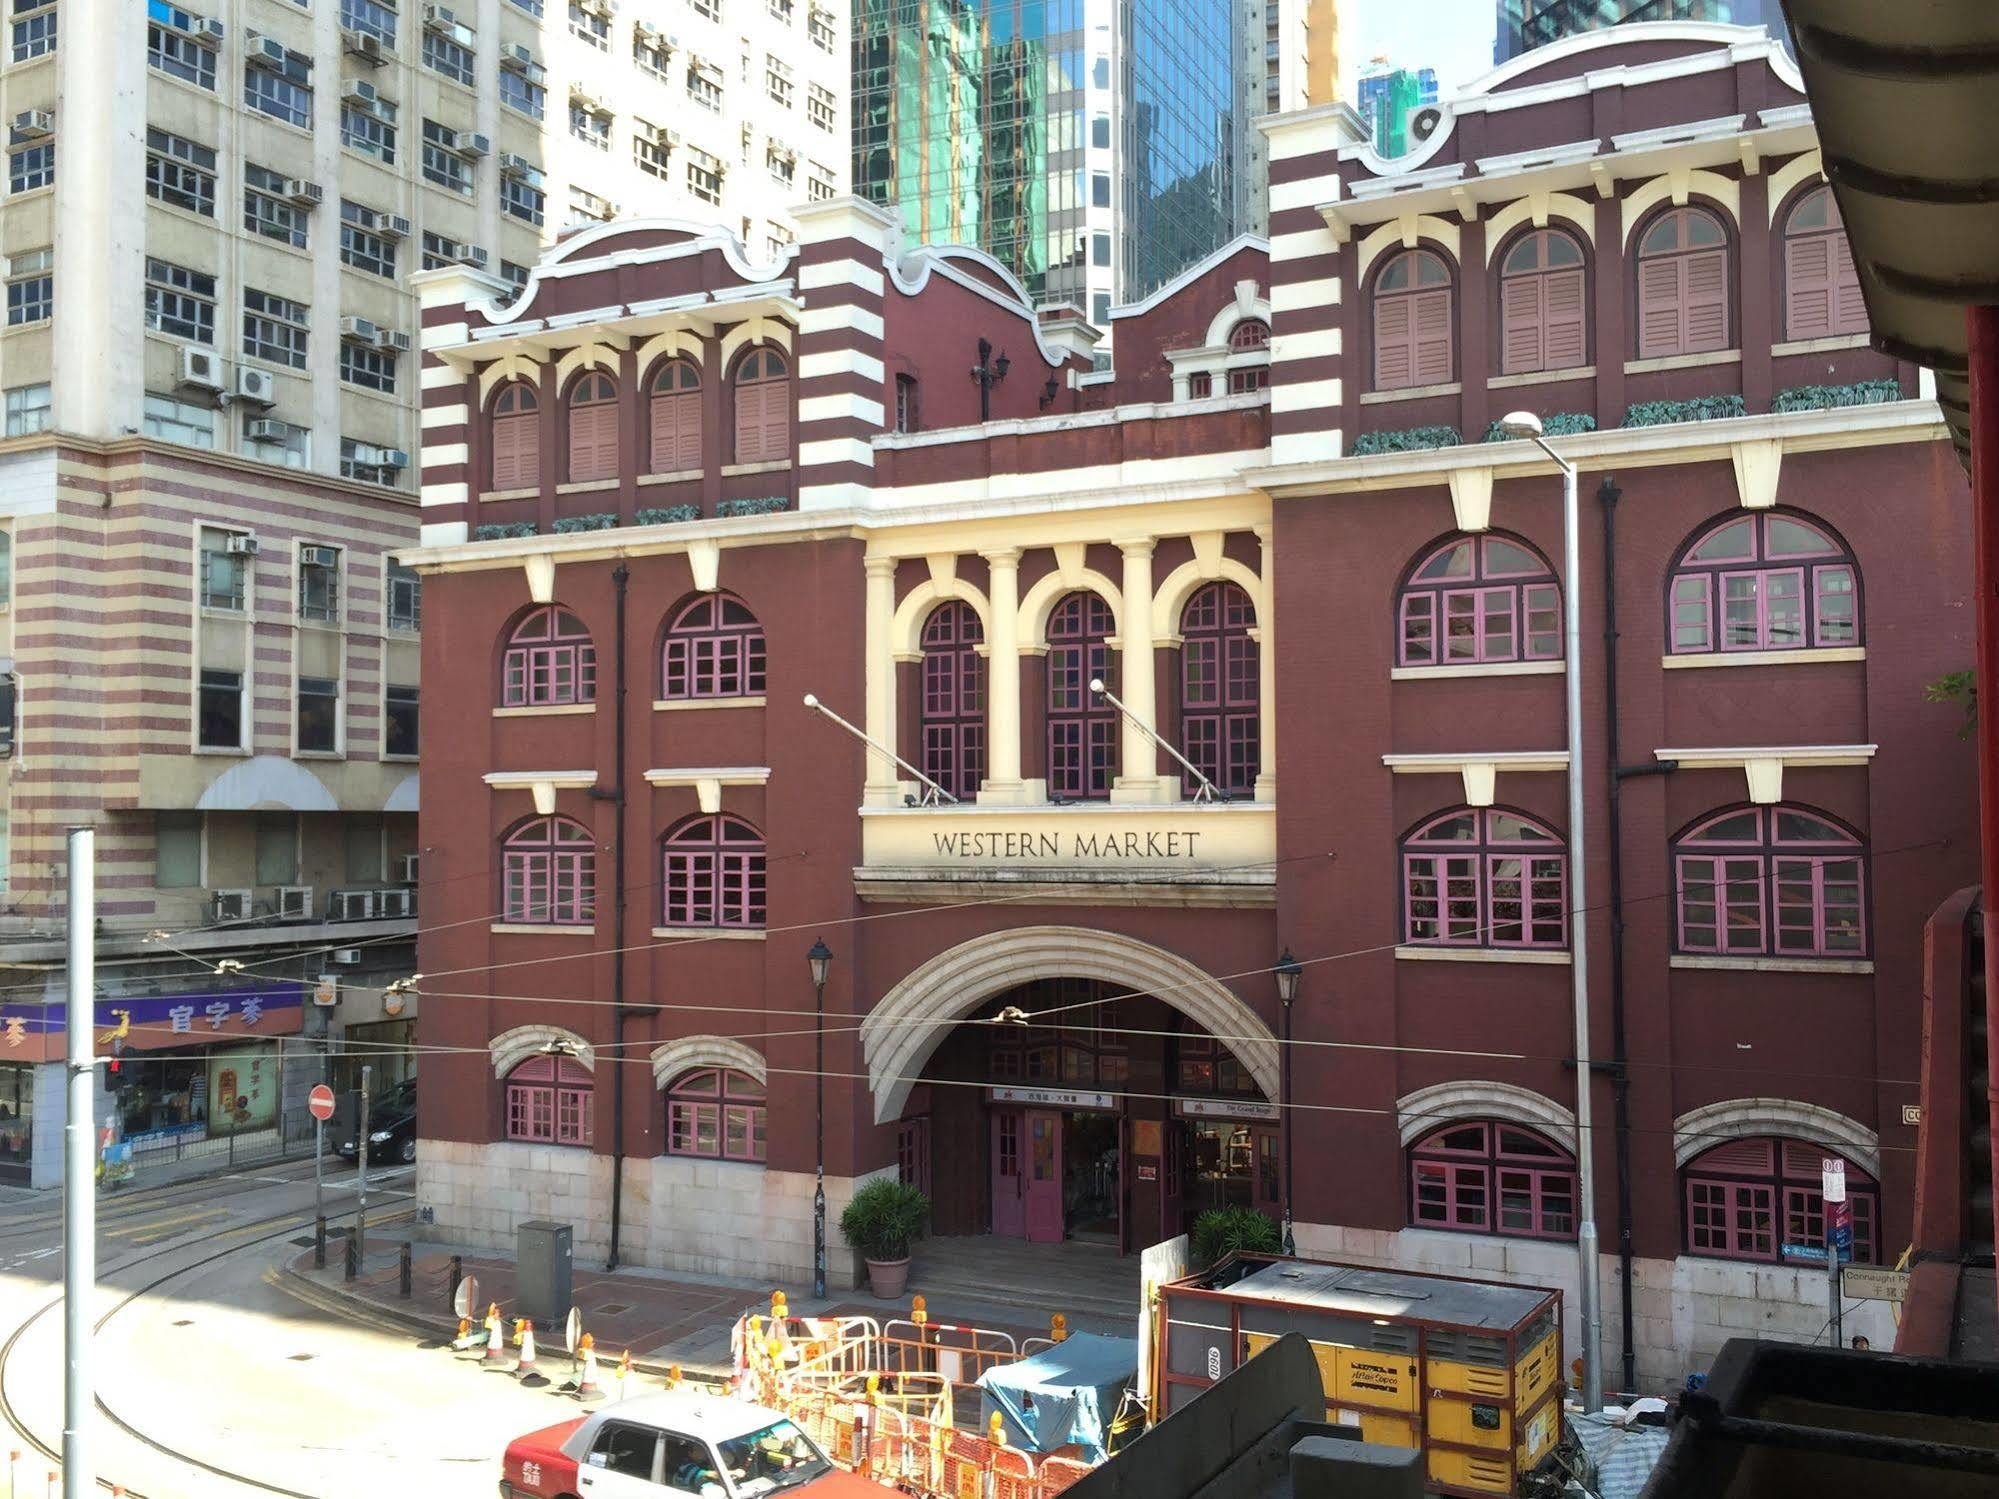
(1423, 124)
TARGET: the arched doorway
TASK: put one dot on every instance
(1075, 1085)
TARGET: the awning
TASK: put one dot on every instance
(1906, 97)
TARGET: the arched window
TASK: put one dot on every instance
(717, 1113)
(1783, 881)
(549, 874)
(1412, 321)
(1479, 599)
(714, 873)
(1682, 284)
(516, 432)
(593, 428)
(549, 661)
(714, 648)
(1250, 336)
(1821, 288)
(676, 417)
(954, 699)
(548, 1101)
(763, 407)
(1542, 304)
(1777, 581)
(1485, 878)
(1219, 727)
(1082, 728)
(1756, 1199)
(1487, 1177)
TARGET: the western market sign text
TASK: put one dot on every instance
(1065, 845)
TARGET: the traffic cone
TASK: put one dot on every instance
(467, 1338)
(524, 1365)
(587, 1387)
(496, 1342)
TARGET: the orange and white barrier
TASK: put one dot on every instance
(587, 1387)
(524, 1337)
(496, 1342)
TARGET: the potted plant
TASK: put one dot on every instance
(1221, 1232)
(884, 1218)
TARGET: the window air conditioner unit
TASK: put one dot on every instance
(242, 546)
(393, 903)
(364, 45)
(264, 51)
(352, 905)
(305, 194)
(201, 368)
(392, 458)
(359, 329)
(516, 166)
(228, 905)
(394, 341)
(294, 902)
(346, 957)
(209, 31)
(260, 387)
(471, 143)
(406, 867)
(318, 556)
(439, 17)
(394, 225)
(360, 91)
(516, 55)
(266, 429)
(33, 124)
(472, 255)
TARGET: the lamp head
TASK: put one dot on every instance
(811, 700)
(820, 958)
(1000, 366)
(1520, 424)
(1289, 971)
(1097, 685)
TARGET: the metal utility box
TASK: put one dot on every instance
(541, 1272)
(1468, 1372)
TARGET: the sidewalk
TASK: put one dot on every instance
(663, 1317)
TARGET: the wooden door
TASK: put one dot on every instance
(1009, 1201)
(1042, 1177)
(1172, 1180)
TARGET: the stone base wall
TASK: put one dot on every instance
(1685, 1308)
(710, 1217)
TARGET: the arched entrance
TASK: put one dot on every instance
(1056, 1083)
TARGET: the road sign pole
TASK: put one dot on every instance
(319, 1103)
(1832, 1182)
(79, 1271)
(361, 1161)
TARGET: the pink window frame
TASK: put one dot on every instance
(555, 668)
(707, 871)
(1812, 569)
(547, 880)
(952, 716)
(704, 654)
(731, 1103)
(1221, 729)
(1477, 861)
(1462, 1172)
(1770, 855)
(549, 1102)
(1428, 599)
(1082, 730)
(1789, 1194)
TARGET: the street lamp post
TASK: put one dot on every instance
(820, 958)
(1289, 971)
(1590, 1267)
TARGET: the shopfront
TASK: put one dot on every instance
(17, 1122)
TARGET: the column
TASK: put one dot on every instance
(1138, 758)
(1266, 671)
(1003, 681)
(881, 789)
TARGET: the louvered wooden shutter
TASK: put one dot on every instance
(517, 451)
(1704, 298)
(1808, 291)
(1522, 313)
(750, 423)
(593, 441)
(676, 432)
(1394, 342)
(1433, 337)
(1564, 304)
(777, 419)
(1849, 308)
(1660, 316)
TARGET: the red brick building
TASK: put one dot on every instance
(670, 492)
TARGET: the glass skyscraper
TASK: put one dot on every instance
(1087, 145)
(1527, 24)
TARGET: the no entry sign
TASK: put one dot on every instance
(319, 1103)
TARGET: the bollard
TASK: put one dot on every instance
(1058, 1328)
(403, 1270)
(353, 1261)
(457, 1274)
(319, 1242)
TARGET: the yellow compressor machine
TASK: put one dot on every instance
(1467, 1371)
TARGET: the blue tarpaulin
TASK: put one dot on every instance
(1064, 1396)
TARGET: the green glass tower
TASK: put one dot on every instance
(1085, 144)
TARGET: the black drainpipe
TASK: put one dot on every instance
(1608, 495)
(620, 576)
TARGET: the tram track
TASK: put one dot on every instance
(288, 1223)
(124, 1206)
